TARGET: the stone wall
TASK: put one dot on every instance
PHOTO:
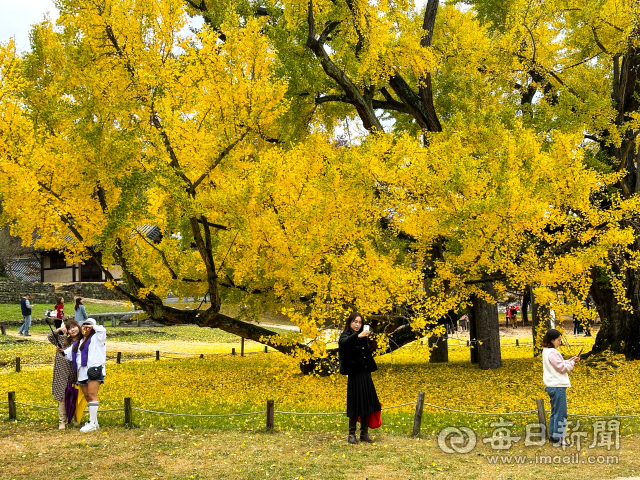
(11, 291)
(121, 319)
(93, 290)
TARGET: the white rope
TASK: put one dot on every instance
(480, 413)
(337, 413)
(36, 406)
(396, 406)
(53, 408)
(197, 415)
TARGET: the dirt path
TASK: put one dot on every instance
(171, 346)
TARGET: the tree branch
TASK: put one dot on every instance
(365, 109)
(223, 154)
(377, 104)
(425, 87)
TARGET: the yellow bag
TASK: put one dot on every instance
(81, 404)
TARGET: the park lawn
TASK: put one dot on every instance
(222, 384)
(12, 311)
(32, 450)
(309, 446)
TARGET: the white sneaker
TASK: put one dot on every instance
(90, 427)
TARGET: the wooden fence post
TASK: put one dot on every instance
(266, 349)
(517, 343)
(128, 412)
(4, 329)
(118, 357)
(233, 351)
(12, 405)
(157, 355)
(270, 414)
(417, 419)
(202, 355)
(242, 346)
(17, 364)
(542, 419)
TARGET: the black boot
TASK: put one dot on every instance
(353, 423)
(364, 430)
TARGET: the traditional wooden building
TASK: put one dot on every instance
(55, 269)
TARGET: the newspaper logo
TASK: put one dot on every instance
(457, 440)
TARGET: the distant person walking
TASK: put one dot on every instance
(555, 376)
(507, 314)
(26, 306)
(357, 362)
(79, 313)
(59, 312)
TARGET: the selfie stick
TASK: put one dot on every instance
(55, 337)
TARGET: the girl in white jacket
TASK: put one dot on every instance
(555, 376)
(88, 356)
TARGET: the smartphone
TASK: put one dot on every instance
(365, 328)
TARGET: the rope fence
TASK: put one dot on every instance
(198, 415)
(523, 412)
(270, 412)
(18, 363)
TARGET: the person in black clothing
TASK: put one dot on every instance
(357, 362)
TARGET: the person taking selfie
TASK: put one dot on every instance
(88, 356)
(62, 367)
(356, 361)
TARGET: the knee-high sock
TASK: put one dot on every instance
(93, 411)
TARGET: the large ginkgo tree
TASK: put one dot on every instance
(222, 135)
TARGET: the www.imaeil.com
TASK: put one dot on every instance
(540, 459)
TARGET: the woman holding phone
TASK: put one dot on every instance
(356, 361)
(556, 381)
(88, 356)
(62, 368)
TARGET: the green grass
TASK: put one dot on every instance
(13, 312)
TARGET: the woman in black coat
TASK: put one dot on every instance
(357, 362)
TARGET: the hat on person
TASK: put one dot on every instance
(88, 321)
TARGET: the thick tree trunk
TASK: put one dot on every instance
(619, 328)
(439, 348)
(487, 332)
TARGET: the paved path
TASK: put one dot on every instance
(177, 346)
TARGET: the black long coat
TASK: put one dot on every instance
(354, 354)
